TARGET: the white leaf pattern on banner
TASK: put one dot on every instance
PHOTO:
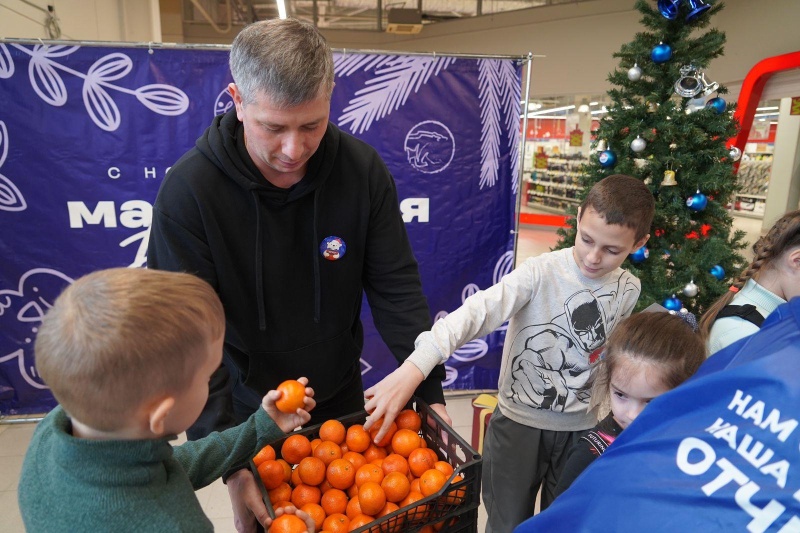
(101, 107)
(394, 81)
(163, 99)
(110, 67)
(346, 64)
(10, 197)
(28, 375)
(103, 110)
(47, 82)
(511, 91)
(489, 86)
(6, 62)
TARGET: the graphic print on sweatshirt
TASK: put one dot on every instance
(550, 362)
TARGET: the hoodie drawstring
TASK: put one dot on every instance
(262, 313)
(316, 262)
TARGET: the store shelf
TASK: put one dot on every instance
(546, 208)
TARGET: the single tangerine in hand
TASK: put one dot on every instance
(293, 394)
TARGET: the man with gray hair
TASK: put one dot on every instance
(291, 220)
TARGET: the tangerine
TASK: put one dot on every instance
(336, 523)
(303, 494)
(371, 498)
(282, 493)
(328, 451)
(455, 496)
(355, 458)
(357, 438)
(405, 441)
(334, 501)
(369, 472)
(374, 452)
(293, 396)
(287, 470)
(288, 523)
(408, 419)
(360, 521)
(266, 453)
(395, 486)
(271, 473)
(332, 430)
(311, 471)
(353, 507)
(387, 438)
(444, 467)
(431, 481)
(415, 485)
(419, 461)
(395, 463)
(340, 474)
(295, 448)
(317, 514)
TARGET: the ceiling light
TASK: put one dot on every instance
(769, 108)
(584, 107)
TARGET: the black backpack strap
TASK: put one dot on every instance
(747, 312)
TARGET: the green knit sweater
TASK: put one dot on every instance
(70, 484)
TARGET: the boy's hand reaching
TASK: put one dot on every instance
(289, 509)
(288, 422)
(390, 396)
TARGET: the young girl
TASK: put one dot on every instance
(771, 279)
(646, 355)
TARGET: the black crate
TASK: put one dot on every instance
(456, 504)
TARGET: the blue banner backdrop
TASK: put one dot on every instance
(87, 133)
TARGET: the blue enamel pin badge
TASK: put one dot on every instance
(332, 248)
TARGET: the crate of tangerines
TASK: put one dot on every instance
(423, 477)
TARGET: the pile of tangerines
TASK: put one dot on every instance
(345, 481)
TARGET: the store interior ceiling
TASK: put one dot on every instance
(366, 15)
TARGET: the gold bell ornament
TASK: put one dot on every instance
(669, 179)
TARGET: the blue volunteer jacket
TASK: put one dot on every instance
(719, 453)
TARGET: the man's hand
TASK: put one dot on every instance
(248, 507)
(387, 398)
(288, 422)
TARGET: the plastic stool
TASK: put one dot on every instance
(482, 406)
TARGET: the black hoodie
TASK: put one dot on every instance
(289, 311)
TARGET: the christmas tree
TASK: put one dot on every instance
(668, 125)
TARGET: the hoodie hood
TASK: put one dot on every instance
(223, 144)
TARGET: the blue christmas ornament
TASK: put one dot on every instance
(697, 202)
(672, 304)
(696, 8)
(718, 272)
(669, 8)
(717, 104)
(661, 53)
(640, 255)
(607, 158)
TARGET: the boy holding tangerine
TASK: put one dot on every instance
(561, 306)
(128, 354)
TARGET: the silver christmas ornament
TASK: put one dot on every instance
(635, 73)
(602, 145)
(673, 146)
(638, 144)
(691, 289)
(735, 153)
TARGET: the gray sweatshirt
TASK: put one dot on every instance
(559, 322)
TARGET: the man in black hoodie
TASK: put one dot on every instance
(291, 220)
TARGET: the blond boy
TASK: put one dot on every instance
(128, 354)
